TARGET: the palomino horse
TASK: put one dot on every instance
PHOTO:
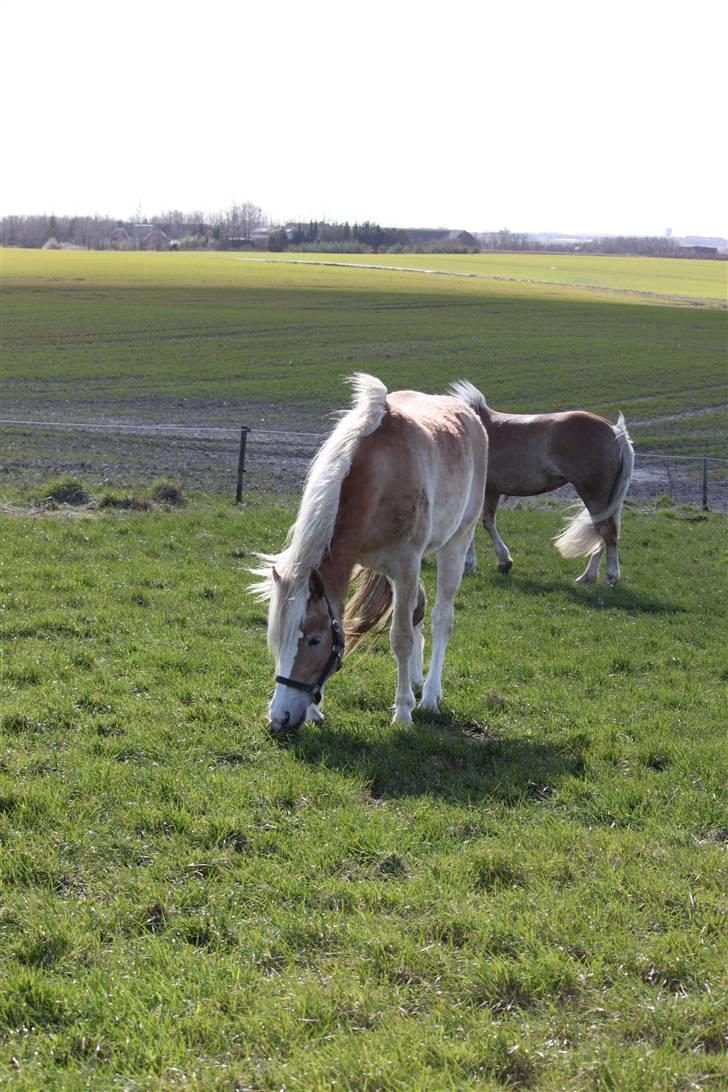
(536, 453)
(401, 476)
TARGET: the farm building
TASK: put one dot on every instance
(260, 236)
(695, 250)
(443, 236)
(139, 237)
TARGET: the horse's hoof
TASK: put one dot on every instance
(430, 702)
(585, 579)
(505, 567)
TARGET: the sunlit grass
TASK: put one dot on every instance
(143, 334)
(657, 276)
(525, 890)
(511, 274)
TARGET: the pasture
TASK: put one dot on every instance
(526, 890)
(230, 339)
(658, 278)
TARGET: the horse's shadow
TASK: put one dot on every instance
(593, 597)
(459, 761)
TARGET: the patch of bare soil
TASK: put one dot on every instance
(122, 445)
(196, 443)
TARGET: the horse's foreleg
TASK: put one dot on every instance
(502, 553)
(315, 713)
(449, 574)
(403, 638)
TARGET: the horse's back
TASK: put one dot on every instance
(535, 453)
(438, 433)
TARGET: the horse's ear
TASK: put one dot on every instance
(276, 576)
(316, 584)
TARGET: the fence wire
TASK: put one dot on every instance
(205, 457)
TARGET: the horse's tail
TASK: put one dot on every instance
(469, 394)
(580, 536)
(371, 604)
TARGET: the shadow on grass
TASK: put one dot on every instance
(442, 756)
(595, 596)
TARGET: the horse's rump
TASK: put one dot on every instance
(417, 472)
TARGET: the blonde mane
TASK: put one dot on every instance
(310, 536)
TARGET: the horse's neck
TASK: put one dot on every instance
(349, 534)
(336, 570)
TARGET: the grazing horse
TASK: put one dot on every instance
(535, 453)
(401, 476)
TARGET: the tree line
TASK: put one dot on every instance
(193, 230)
(245, 224)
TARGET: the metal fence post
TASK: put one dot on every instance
(241, 464)
(705, 483)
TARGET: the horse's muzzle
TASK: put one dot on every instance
(280, 726)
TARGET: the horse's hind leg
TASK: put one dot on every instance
(449, 574)
(417, 675)
(591, 572)
(505, 562)
(610, 533)
(471, 562)
(402, 635)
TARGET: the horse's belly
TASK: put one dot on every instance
(522, 476)
(420, 522)
(515, 481)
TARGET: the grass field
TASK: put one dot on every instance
(229, 339)
(550, 273)
(658, 277)
(527, 891)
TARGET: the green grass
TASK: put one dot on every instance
(550, 273)
(707, 280)
(525, 891)
(146, 333)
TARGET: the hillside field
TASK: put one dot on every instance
(527, 890)
(225, 339)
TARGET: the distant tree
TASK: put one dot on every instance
(251, 218)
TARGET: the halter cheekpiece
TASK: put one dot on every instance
(332, 664)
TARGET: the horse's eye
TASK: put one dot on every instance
(314, 641)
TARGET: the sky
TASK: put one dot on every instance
(576, 117)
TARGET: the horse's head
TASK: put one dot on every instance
(310, 649)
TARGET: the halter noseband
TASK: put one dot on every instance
(332, 664)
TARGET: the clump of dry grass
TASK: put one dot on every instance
(167, 492)
(66, 491)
